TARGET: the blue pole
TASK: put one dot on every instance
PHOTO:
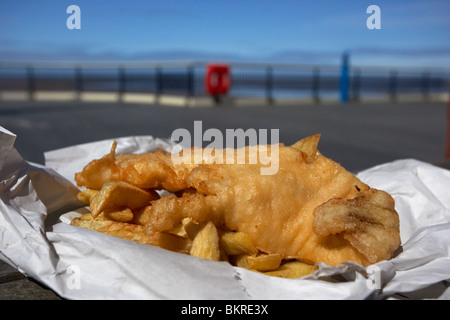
(344, 80)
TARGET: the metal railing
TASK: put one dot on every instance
(270, 82)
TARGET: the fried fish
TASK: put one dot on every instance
(311, 209)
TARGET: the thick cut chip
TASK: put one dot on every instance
(292, 270)
(265, 262)
(240, 260)
(122, 230)
(206, 243)
(116, 195)
(88, 216)
(191, 228)
(174, 242)
(235, 243)
(260, 262)
(188, 228)
(142, 215)
(125, 215)
(86, 195)
(133, 232)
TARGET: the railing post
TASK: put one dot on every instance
(31, 82)
(78, 81)
(122, 83)
(356, 85)
(190, 83)
(425, 85)
(316, 84)
(269, 84)
(344, 80)
(159, 84)
(393, 85)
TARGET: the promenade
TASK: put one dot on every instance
(358, 135)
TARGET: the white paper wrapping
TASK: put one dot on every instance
(38, 202)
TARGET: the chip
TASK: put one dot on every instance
(124, 215)
(122, 230)
(86, 195)
(264, 261)
(116, 195)
(235, 243)
(206, 243)
(188, 228)
(292, 270)
(133, 232)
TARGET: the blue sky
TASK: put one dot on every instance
(412, 31)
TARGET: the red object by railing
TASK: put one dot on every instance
(217, 79)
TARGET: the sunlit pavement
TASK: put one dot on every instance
(358, 135)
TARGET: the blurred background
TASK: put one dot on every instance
(374, 82)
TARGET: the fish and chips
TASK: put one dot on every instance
(312, 210)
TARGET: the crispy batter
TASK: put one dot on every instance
(166, 213)
(151, 170)
(366, 221)
(287, 213)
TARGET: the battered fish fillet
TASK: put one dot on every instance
(312, 209)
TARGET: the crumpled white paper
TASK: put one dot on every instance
(37, 203)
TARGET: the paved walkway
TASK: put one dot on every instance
(357, 135)
(15, 286)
